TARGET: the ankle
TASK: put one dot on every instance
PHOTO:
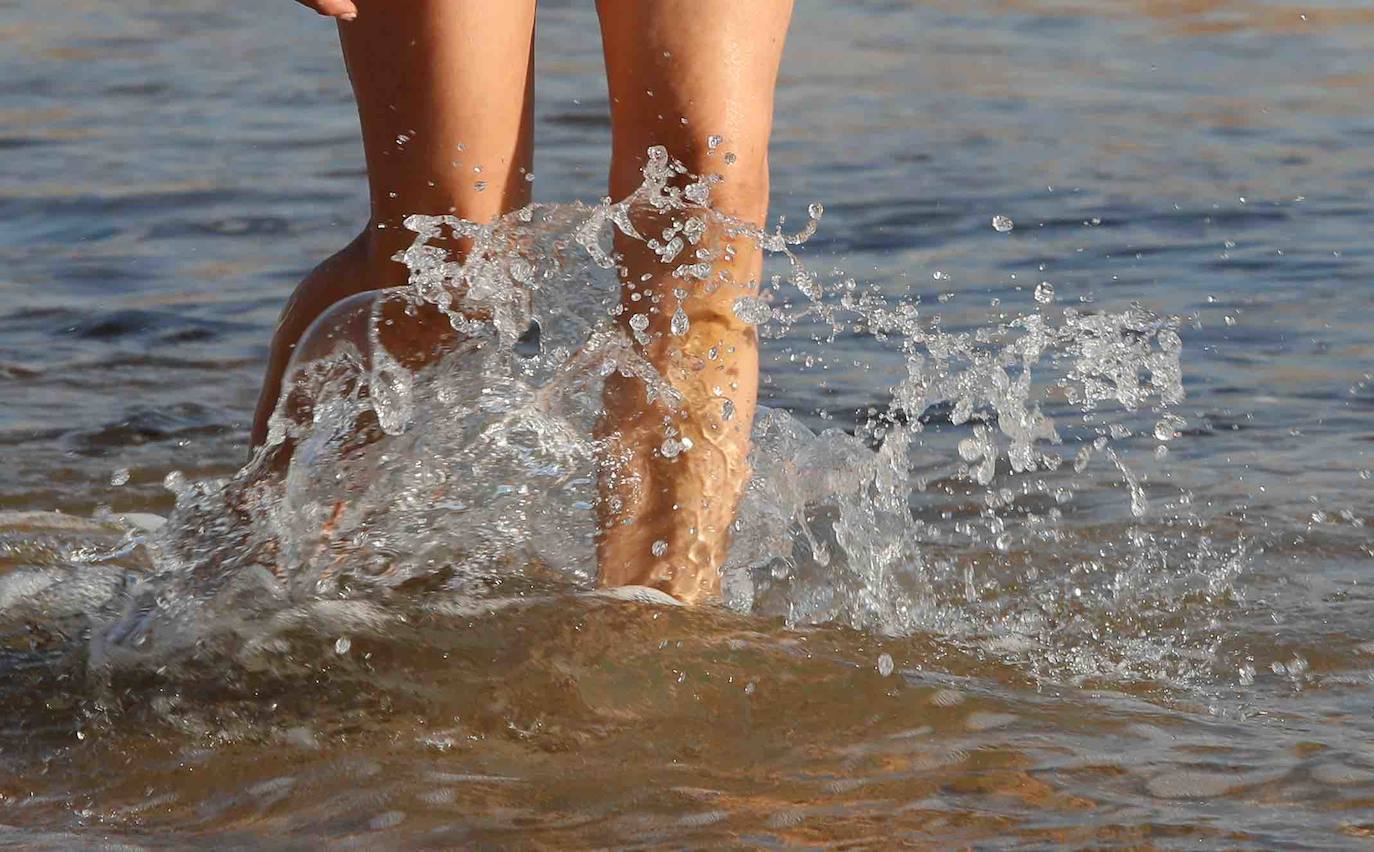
(377, 248)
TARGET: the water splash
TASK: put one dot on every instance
(466, 479)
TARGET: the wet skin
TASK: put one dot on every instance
(445, 93)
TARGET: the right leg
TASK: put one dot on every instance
(682, 72)
(445, 99)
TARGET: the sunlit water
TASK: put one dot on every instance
(996, 581)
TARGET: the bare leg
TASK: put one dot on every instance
(445, 99)
(666, 518)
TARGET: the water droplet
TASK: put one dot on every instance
(659, 548)
(1044, 292)
(730, 159)
(119, 477)
(639, 322)
(885, 665)
(727, 411)
(1002, 224)
(342, 644)
(480, 186)
(816, 210)
(752, 310)
(175, 482)
(680, 323)
(672, 448)
(713, 142)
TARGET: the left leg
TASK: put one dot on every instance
(445, 99)
(681, 72)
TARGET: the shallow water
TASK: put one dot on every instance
(1198, 673)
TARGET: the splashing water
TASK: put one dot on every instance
(472, 478)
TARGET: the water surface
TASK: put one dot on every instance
(1199, 673)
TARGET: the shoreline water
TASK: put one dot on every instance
(1199, 673)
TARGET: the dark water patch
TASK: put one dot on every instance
(19, 437)
(233, 226)
(355, 173)
(141, 424)
(37, 319)
(13, 142)
(149, 326)
(63, 218)
(297, 141)
(597, 117)
(137, 90)
(19, 371)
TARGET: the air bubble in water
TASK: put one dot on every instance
(342, 644)
(680, 323)
(1167, 427)
(713, 142)
(175, 482)
(885, 665)
(1044, 292)
(659, 548)
(1002, 224)
(120, 477)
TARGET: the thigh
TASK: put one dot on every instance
(713, 63)
(445, 97)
